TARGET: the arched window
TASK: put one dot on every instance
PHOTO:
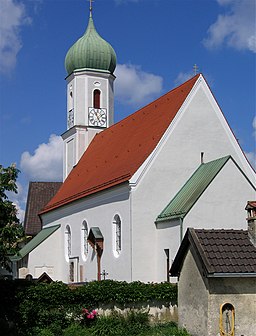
(117, 235)
(71, 101)
(68, 243)
(85, 233)
(96, 98)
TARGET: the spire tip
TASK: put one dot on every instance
(91, 1)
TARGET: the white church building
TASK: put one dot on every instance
(131, 189)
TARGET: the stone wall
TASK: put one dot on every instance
(241, 293)
(158, 311)
(192, 299)
(200, 299)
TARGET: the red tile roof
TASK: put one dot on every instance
(115, 154)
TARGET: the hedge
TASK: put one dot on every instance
(39, 305)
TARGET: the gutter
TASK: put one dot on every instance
(232, 275)
(181, 229)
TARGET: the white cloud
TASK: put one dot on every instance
(254, 127)
(46, 162)
(12, 18)
(236, 28)
(183, 77)
(134, 86)
(18, 200)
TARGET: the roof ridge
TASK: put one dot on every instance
(225, 230)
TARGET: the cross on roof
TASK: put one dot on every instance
(91, 1)
(195, 68)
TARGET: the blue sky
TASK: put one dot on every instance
(157, 42)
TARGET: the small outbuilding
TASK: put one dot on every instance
(217, 282)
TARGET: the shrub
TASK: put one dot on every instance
(54, 307)
(45, 332)
(95, 293)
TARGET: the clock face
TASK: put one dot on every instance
(97, 117)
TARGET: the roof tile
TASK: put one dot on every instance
(228, 251)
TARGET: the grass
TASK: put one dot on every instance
(166, 329)
(133, 324)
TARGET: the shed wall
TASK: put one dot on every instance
(192, 299)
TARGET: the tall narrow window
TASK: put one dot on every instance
(117, 235)
(72, 271)
(96, 99)
(84, 238)
(68, 243)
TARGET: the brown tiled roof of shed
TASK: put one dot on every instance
(39, 194)
(219, 251)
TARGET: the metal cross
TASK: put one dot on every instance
(196, 68)
(91, 1)
(104, 274)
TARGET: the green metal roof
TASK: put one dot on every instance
(187, 196)
(96, 233)
(91, 52)
(33, 243)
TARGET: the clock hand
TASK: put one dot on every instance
(97, 115)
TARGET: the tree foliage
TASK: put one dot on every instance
(11, 231)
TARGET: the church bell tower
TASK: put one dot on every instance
(90, 64)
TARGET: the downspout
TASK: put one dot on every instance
(131, 232)
(181, 229)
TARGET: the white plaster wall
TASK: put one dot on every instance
(199, 128)
(168, 237)
(47, 255)
(83, 84)
(192, 299)
(98, 210)
(222, 204)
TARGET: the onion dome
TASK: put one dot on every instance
(90, 52)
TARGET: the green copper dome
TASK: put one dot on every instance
(90, 52)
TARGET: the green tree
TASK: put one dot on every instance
(11, 231)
